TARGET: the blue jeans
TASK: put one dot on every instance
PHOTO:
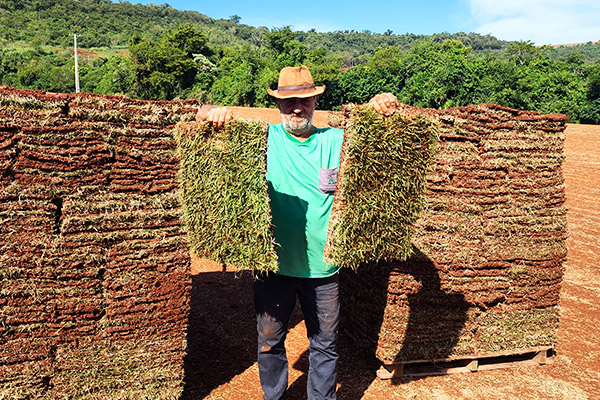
(274, 301)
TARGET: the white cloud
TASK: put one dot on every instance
(541, 21)
(319, 26)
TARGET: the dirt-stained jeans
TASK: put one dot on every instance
(274, 301)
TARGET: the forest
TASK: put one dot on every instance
(157, 52)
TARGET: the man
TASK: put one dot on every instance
(302, 165)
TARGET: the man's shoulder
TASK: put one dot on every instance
(329, 134)
(276, 129)
(331, 131)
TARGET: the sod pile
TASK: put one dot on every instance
(94, 262)
(102, 197)
(224, 191)
(489, 245)
(32, 107)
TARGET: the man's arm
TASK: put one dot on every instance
(217, 116)
(385, 103)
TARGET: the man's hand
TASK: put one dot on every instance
(385, 103)
(217, 116)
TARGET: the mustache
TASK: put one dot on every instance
(300, 114)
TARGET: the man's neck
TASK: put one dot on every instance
(302, 136)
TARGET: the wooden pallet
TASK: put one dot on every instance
(507, 359)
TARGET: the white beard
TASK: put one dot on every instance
(294, 125)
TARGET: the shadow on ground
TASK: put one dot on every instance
(386, 301)
(221, 333)
(399, 312)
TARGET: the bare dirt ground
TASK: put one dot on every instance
(221, 361)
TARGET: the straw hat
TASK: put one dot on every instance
(296, 82)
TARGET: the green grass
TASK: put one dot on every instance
(381, 188)
(226, 209)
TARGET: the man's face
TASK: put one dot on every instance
(297, 114)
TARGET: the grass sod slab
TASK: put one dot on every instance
(226, 209)
(381, 185)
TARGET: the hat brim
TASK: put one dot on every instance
(297, 93)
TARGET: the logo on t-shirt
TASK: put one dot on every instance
(327, 180)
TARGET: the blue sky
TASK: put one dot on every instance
(540, 21)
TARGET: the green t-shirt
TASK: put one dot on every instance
(301, 177)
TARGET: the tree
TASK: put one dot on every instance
(278, 37)
(522, 52)
(164, 69)
(240, 77)
(590, 112)
(113, 77)
(592, 86)
(189, 40)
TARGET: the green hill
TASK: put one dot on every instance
(103, 23)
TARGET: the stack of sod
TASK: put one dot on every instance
(224, 192)
(49, 292)
(68, 155)
(145, 160)
(32, 107)
(122, 110)
(489, 245)
(140, 342)
(381, 185)
(94, 267)
(19, 108)
(8, 140)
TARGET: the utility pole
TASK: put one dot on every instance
(76, 66)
